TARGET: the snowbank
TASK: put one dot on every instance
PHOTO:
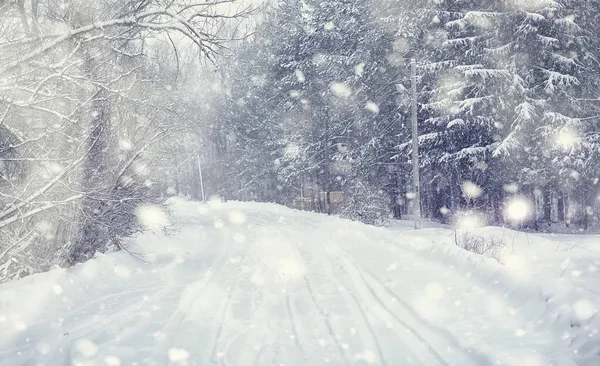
(239, 283)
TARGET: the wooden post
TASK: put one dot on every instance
(201, 180)
(415, 147)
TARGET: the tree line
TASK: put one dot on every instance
(316, 111)
(108, 106)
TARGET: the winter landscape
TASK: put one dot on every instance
(300, 182)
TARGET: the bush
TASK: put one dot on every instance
(493, 247)
(365, 203)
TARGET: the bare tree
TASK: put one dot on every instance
(83, 108)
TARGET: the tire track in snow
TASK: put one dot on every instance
(259, 354)
(243, 333)
(362, 291)
(361, 312)
(326, 320)
(91, 328)
(270, 333)
(428, 336)
(193, 293)
(373, 282)
(376, 302)
(231, 342)
(214, 356)
(210, 274)
(292, 320)
(315, 302)
(350, 300)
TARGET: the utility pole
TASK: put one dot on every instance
(201, 180)
(415, 146)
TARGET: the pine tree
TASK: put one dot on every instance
(325, 95)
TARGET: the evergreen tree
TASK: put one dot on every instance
(325, 100)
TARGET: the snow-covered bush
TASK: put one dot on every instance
(493, 247)
(365, 203)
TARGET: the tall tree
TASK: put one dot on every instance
(323, 111)
(79, 120)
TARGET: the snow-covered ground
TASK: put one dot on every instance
(260, 284)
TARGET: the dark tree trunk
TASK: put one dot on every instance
(547, 205)
(561, 207)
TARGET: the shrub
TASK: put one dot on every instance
(493, 247)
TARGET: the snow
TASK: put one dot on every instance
(469, 220)
(340, 90)
(372, 107)
(471, 190)
(308, 289)
(517, 209)
(550, 278)
(152, 217)
(359, 69)
(566, 138)
(300, 76)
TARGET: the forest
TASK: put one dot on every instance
(316, 112)
(110, 107)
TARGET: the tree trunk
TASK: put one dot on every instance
(584, 210)
(547, 204)
(561, 207)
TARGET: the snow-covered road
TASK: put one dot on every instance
(259, 284)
